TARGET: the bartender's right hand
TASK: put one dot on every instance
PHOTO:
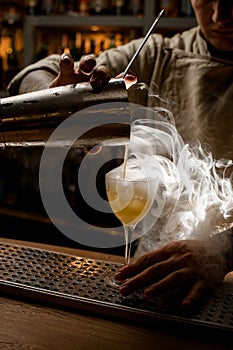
(86, 71)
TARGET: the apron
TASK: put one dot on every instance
(202, 90)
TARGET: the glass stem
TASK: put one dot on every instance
(128, 242)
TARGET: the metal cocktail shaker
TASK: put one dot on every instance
(34, 115)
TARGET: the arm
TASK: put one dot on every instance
(193, 266)
(36, 76)
(56, 71)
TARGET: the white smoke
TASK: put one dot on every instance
(194, 198)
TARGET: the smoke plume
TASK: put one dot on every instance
(194, 198)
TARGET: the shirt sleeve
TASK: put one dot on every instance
(49, 64)
(118, 58)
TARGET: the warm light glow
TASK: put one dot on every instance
(9, 50)
(86, 268)
(5, 44)
(95, 28)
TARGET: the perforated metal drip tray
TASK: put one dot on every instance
(81, 283)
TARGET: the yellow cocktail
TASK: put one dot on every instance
(130, 199)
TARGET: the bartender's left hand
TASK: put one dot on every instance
(86, 72)
(192, 266)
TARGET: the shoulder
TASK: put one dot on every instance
(186, 40)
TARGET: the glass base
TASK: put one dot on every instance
(112, 282)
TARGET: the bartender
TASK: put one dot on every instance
(194, 70)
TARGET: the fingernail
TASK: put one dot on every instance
(66, 56)
(90, 62)
(186, 303)
(66, 59)
(124, 290)
(148, 293)
(97, 85)
(131, 77)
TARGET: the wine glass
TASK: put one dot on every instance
(130, 198)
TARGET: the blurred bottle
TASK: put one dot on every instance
(1, 59)
(12, 17)
(47, 7)
(101, 47)
(136, 7)
(84, 7)
(32, 7)
(118, 7)
(12, 60)
(170, 6)
(92, 46)
(83, 47)
(185, 8)
(71, 8)
(19, 46)
(99, 7)
(112, 41)
(1, 20)
(59, 7)
(75, 46)
(65, 43)
(44, 49)
(1, 73)
(118, 39)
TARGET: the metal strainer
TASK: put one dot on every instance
(81, 283)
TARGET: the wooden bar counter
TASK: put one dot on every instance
(30, 324)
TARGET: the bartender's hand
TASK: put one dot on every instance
(192, 266)
(98, 77)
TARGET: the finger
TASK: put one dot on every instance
(175, 279)
(150, 275)
(132, 269)
(130, 79)
(100, 77)
(87, 64)
(142, 263)
(194, 294)
(154, 273)
(165, 270)
(66, 64)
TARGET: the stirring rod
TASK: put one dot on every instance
(143, 42)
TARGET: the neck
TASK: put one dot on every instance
(225, 55)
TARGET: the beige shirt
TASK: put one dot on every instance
(184, 74)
